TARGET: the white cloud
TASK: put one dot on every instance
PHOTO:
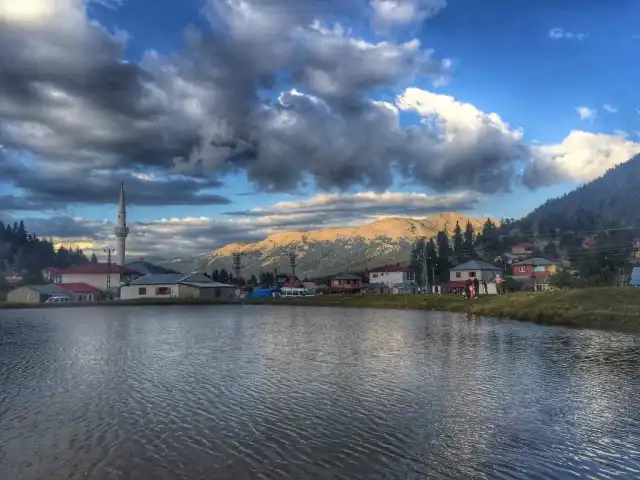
(560, 34)
(609, 108)
(402, 12)
(584, 156)
(586, 113)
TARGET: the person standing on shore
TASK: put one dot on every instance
(476, 286)
(499, 284)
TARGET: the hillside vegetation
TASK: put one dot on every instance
(24, 255)
(610, 201)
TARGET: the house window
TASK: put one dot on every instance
(375, 275)
(163, 291)
(142, 291)
(458, 274)
(522, 269)
(472, 274)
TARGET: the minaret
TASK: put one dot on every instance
(121, 230)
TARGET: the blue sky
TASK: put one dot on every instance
(534, 64)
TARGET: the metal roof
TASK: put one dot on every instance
(390, 269)
(347, 277)
(160, 279)
(174, 278)
(536, 261)
(475, 265)
(49, 289)
(208, 284)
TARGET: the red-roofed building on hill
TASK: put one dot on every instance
(392, 276)
(98, 275)
(293, 282)
(522, 249)
(83, 292)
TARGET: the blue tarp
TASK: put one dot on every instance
(634, 282)
(262, 293)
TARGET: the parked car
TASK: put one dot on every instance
(58, 299)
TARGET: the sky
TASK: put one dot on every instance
(228, 120)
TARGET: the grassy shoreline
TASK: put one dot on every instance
(598, 308)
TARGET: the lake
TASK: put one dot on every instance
(235, 392)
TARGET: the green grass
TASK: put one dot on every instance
(602, 308)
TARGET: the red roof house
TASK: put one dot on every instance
(103, 276)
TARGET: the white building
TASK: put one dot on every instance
(474, 269)
(176, 285)
(98, 275)
(393, 276)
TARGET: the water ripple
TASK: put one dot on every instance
(275, 393)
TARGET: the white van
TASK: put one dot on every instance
(58, 299)
(288, 292)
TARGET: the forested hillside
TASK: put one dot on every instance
(23, 253)
(610, 201)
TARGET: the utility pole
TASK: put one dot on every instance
(237, 266)
(433, 274)
(275, 276)
(292, 262)
(109, 251)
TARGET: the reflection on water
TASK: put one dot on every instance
(284, 392)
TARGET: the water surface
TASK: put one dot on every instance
(230, 392)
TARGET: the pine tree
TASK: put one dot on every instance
(94, 259)
(445, 254)
(458, 243)
(469, 240)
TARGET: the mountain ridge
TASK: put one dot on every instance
(331, 250)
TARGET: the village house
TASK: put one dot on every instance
(535, 267)
(49, 274)
(35, 293)
(461, 274)
(393, 276)
(346, 284)
(176, 285)
(522, 249)
(98, 275)
(535, 273)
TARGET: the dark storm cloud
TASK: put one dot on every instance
(65, 227)
(57, 190)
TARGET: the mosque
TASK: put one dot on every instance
(117, 279)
